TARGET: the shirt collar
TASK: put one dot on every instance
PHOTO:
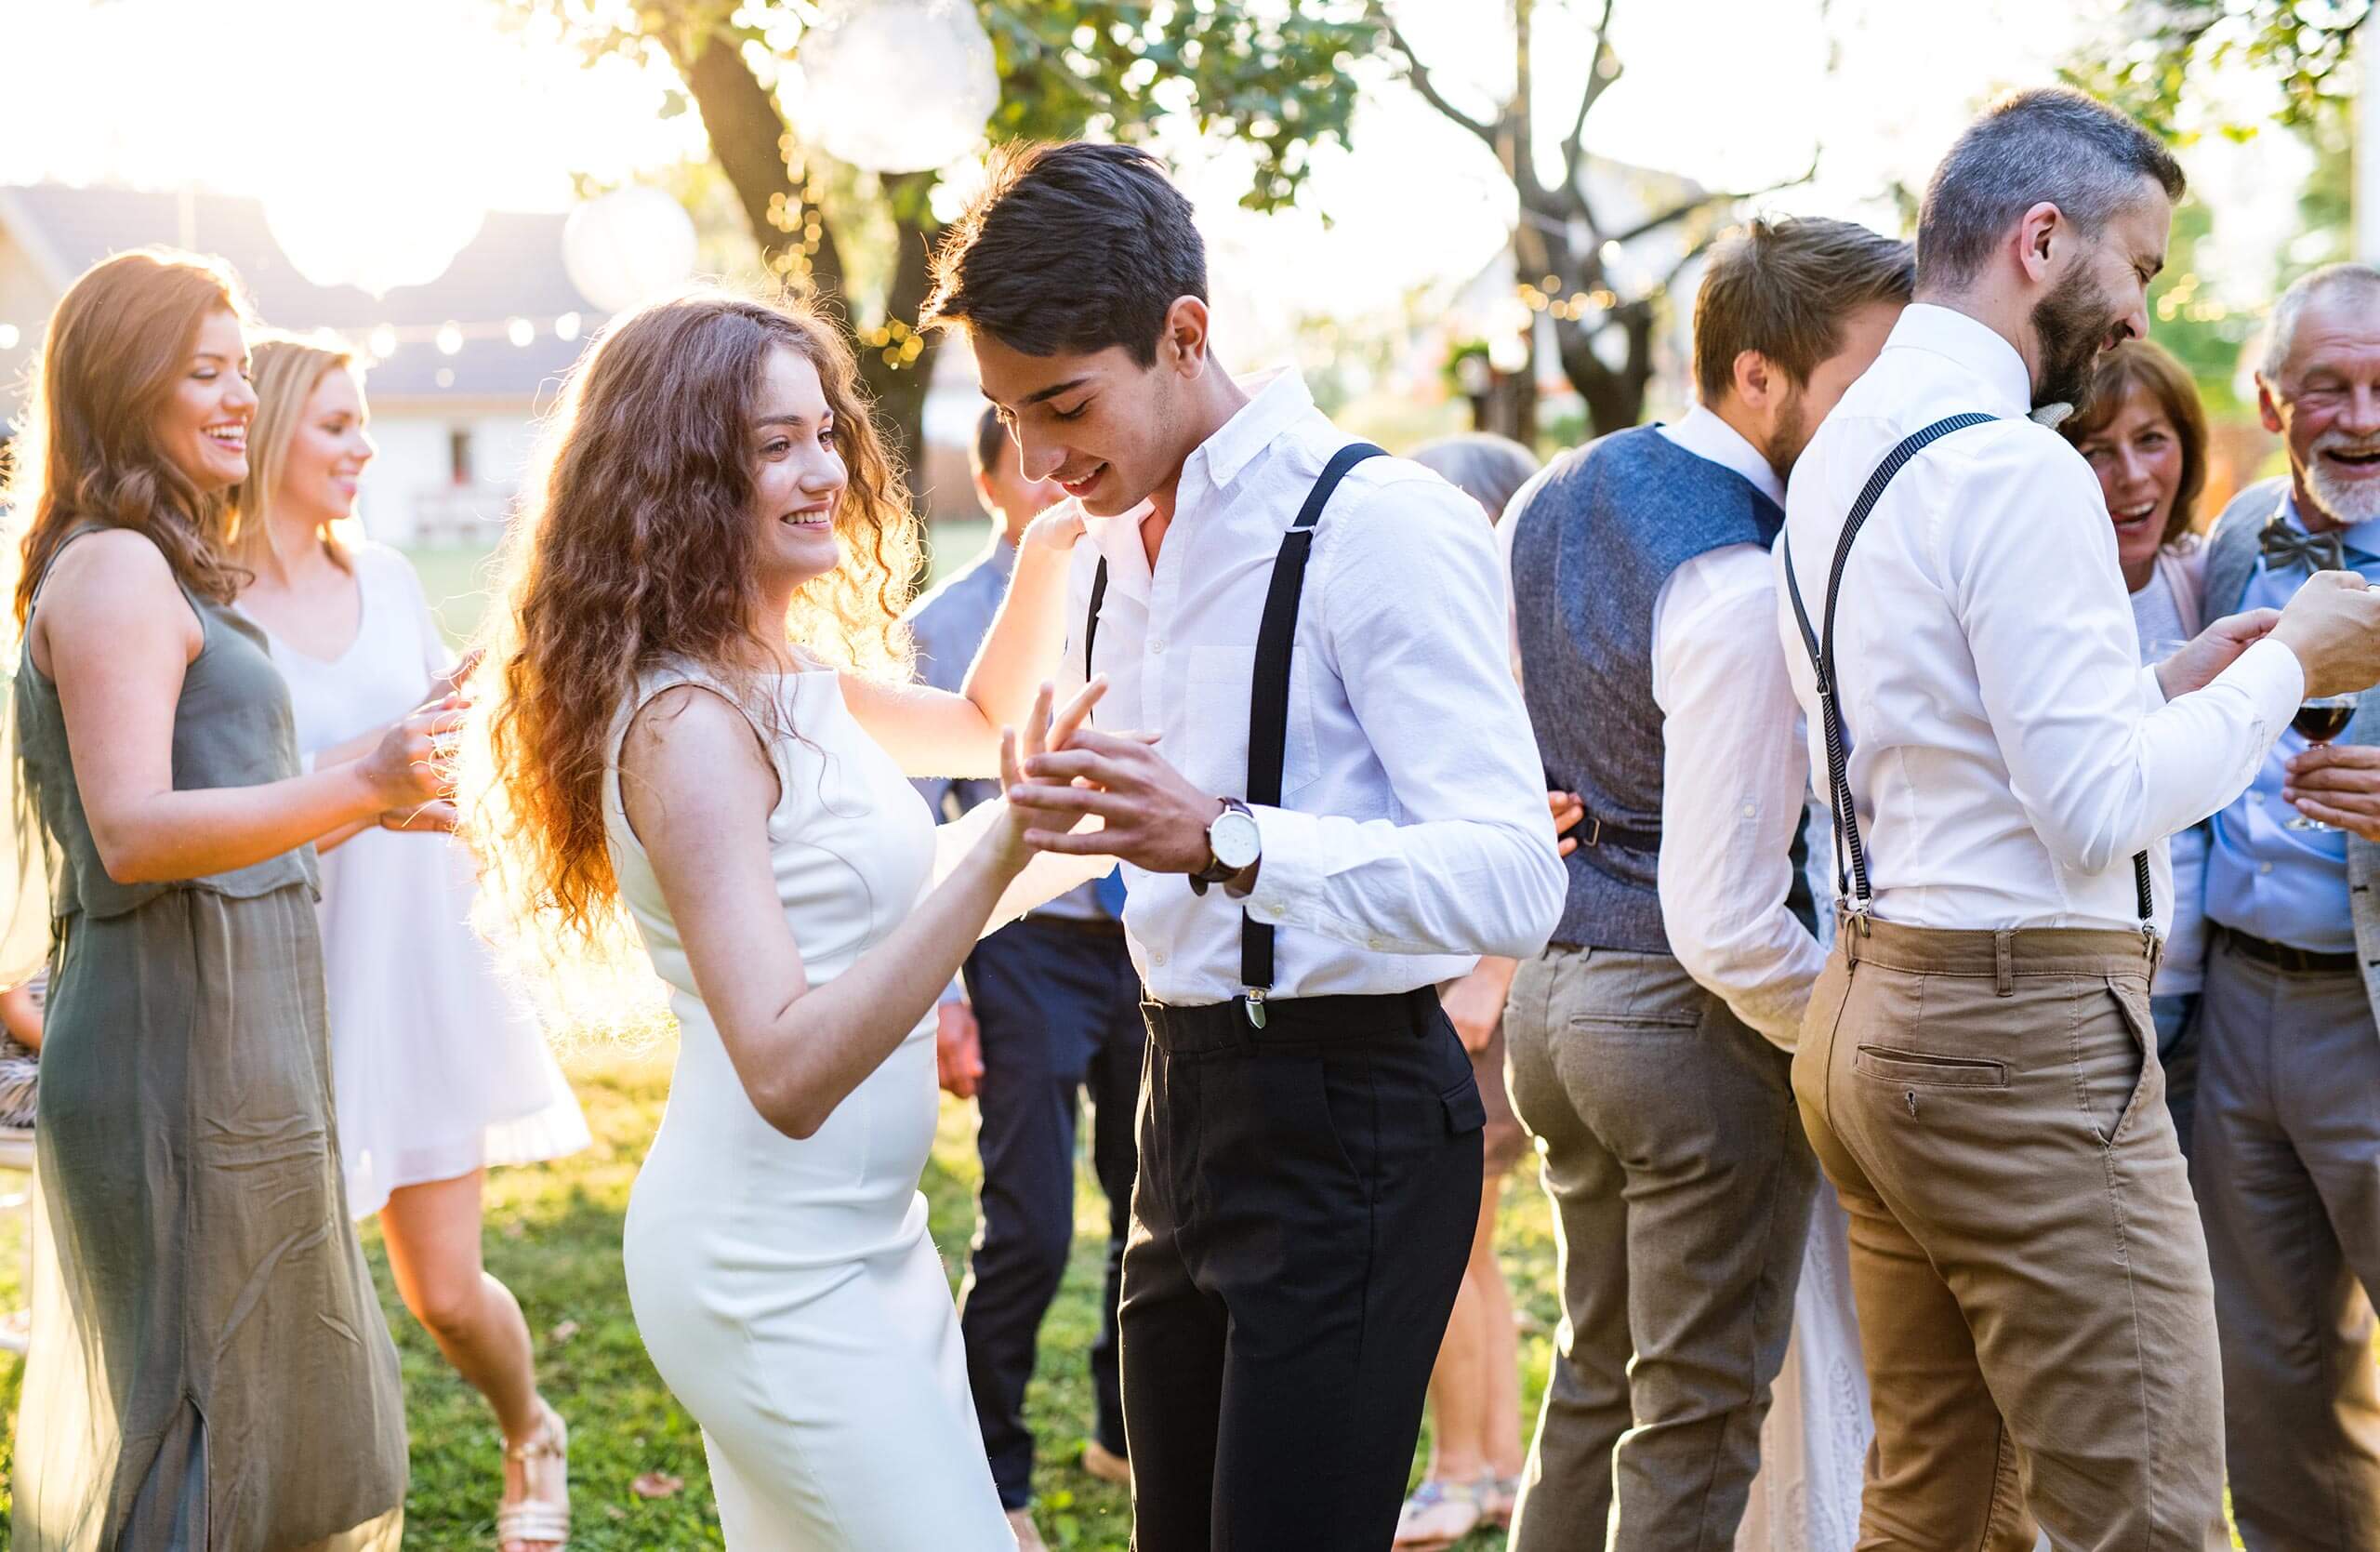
(999, 559)
(1972, 344)
(1704, 434)
(1277, 400)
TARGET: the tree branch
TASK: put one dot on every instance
(745, 129)
(1703, 202)
(1418, 77)
(1573, 145)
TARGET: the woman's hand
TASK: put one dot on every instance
(1043, 732)
(407, 768)
(454, 679)
(1056, 528)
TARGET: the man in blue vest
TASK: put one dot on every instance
(2288, 1135)
(1649, 1045)
(1051, 1016)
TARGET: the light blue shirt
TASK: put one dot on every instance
(2288, 885)
(949, 625)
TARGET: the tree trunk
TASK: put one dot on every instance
(1615, 399)
(747, 139)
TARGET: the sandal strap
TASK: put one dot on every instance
(532, 1521)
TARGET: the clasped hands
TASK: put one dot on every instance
(1147, 812)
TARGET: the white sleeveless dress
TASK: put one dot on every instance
(787, 1289)
(436, 1066)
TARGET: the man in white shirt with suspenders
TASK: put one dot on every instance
(1976, 1069)
(1343, 807)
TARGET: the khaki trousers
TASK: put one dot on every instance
(2032, 1282)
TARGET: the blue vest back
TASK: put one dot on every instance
(1594, 545)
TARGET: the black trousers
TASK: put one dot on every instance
(1059, 1007)
(1306, 1205)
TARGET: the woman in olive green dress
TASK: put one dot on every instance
(210, 1367)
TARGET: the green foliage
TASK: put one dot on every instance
(2305, 44)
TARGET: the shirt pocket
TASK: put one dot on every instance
(1218, 699)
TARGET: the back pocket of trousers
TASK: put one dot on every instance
(1926, 1070)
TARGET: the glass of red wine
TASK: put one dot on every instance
(2318, 721)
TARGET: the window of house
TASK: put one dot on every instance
(458, 455)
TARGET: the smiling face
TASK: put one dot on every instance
(798, 475)
(202, 429)
(1107, 430)
(2325, 400)
(328, 449)
(2100, 297)
(2137, 456)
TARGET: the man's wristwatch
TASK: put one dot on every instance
(1233, 846)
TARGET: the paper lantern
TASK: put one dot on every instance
(895, 85)
(626, 246)
(398, 233)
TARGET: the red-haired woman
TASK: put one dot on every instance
(697, 713)
(212, 1368)
(2144, 433)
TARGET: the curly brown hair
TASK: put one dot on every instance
(116, 342)
(634, 546)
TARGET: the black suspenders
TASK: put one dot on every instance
(1268, 701)
(1852, 888)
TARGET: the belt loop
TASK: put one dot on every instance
(2004, 963)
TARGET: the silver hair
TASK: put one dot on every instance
(2281, 330)
(1487, 467)
(2051, 144)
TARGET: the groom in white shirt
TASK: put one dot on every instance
(1977, 1069)
(1650, 1044)
(1342, 808)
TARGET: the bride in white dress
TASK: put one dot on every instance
(717, 535)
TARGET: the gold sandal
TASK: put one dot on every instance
(535, 1517)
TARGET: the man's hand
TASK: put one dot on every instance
(1568, 810)
(1475, 1003)
(2338, 784)
(2212, 650)
(2334, 626)
(1153, 818)
(958, 1048)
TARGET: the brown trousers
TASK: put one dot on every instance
(2031, 1282)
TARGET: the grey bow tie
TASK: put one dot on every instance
(2282, 544)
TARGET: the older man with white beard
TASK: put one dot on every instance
(2288, 1143)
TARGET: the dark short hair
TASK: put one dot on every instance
(1070, 248)
(1783, 288)
(991, 434)
(2049, 143)
(2148, 366)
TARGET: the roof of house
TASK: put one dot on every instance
(513, 268)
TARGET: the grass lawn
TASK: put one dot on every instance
(553, 1235)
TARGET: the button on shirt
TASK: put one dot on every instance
(1734, 771)
(2009, 752)
(1412, 835)
(2262, 878)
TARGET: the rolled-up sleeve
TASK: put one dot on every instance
(1415, 619)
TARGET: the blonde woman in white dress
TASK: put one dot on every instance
(693, 710)
(438, 1070)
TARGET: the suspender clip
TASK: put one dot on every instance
(1255, 1006)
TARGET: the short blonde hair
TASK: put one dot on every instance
(285, 371)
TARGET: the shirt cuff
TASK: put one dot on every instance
(2271, 677)
(1292, 871)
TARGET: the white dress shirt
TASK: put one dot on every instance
(1412, 835)
(2009, 752)
(1734, 774)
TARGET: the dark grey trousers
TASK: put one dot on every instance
(2287, 1166)
(1681, 1184)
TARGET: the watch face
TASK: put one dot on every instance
(1234, 838)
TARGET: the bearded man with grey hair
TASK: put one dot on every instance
(1977, 1066)
(2288, 1137)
